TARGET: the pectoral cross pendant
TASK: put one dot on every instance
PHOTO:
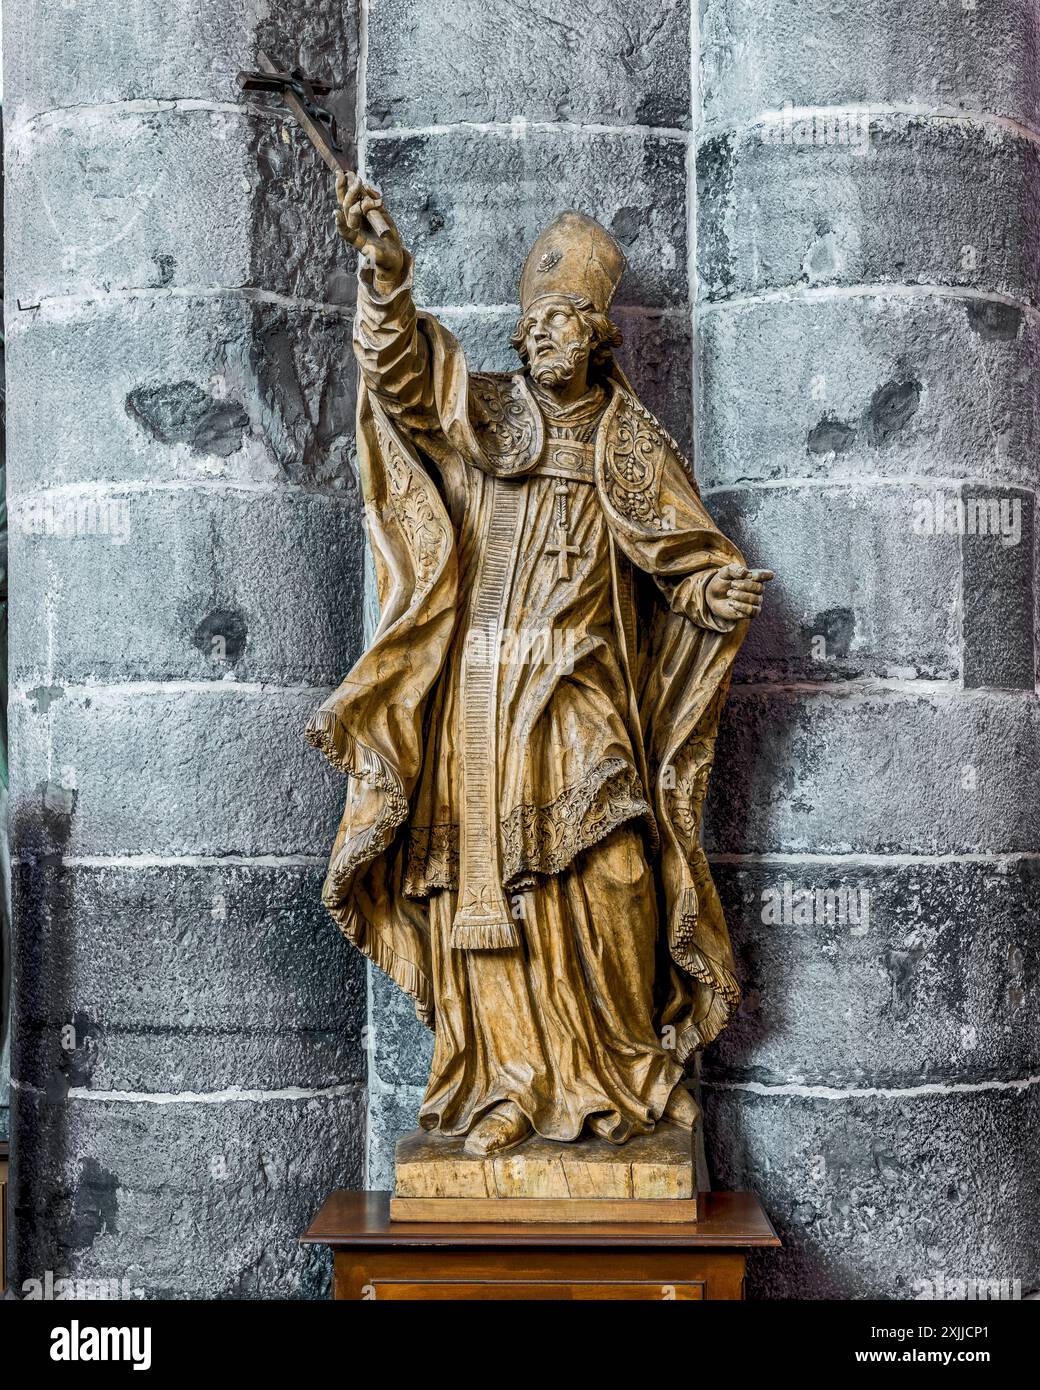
(563, 550)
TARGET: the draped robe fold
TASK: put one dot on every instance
(563, 782)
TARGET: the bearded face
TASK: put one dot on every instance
(557, 341)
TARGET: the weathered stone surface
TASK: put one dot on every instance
(966, 218)
(876, 772)
(757, 55)
(656, 358)
(400, 1047)
(875, 1193)
(85, 53)
(164, 771)
(178, 197)
(182, 1200)
(649, 1166)
(827, 620)
(872, 974)
(999, 606)
(866, 280)
(171, 387)
(390, 1115)
(168, 231)
(818, 385)
(601, 62)
(470, 205)
(174, 977)
(197, 585)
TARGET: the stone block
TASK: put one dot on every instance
(757, 55)
(605, 64)
(180, 197)
(921, 201)
(851, 571)
(88, 53)
(182, 1200)
(170, 388)
(176, 584)
(125, 770)
(183, 978)
(877, 1194)
(999, 605)
(470, 205)
(874, 974)
(822, 385)
(876, 772)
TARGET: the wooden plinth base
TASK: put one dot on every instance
(651, 1178)
(524, 1210)
(376, 1258)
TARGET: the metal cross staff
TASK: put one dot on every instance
(298, 93)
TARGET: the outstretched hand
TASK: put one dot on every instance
(356, 201)
(735, 592)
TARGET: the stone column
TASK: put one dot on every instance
(482, 120)
(867, 318)
(188, 1079)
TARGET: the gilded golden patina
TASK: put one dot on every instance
(528, 738)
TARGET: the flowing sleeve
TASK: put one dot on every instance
(393, 352)
(656, 513)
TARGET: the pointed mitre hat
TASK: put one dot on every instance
(575, 257)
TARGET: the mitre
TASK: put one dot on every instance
(574, 257)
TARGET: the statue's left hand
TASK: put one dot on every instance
(735, 592)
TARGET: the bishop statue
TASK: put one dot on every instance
(528, 737)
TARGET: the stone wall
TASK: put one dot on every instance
(868, 331)
(186, 548)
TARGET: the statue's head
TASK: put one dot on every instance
(566, 288)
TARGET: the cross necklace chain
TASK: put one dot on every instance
(563, 550)
(571, 433)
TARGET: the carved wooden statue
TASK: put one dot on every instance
(528, 738)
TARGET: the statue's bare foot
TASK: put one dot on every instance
(499, 1129)
(682, 1109)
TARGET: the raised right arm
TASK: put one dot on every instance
(392, 352)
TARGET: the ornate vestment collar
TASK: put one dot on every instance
(631, 444)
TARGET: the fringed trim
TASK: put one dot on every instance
(353, 854)
(688, 1042)
(404, 973)
(724, 992)
(697, 1035)
(483, 935)
(346, 753)
(720, 1011)
(326, 732)
(710, 973)
(684, 918)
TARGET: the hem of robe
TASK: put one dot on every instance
(555, 1126)
(357, 929)
(613, 778)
